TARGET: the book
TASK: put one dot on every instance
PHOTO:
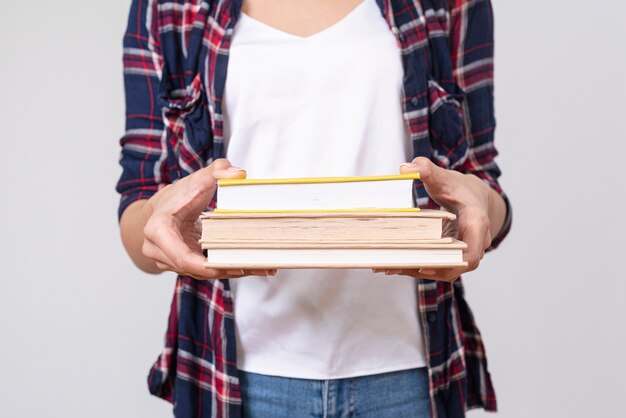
(365, 255)
(363, 193)
(327, 222)
(323, 227)
(329, 240)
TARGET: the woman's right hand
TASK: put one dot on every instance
(172, 229)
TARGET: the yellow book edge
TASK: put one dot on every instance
(311, 180)
(234, 211)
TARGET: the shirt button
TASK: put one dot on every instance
(414, 101)
(432, 317)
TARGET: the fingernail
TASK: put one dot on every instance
(234, 272)
(233, 168)
(427, 271)
(410, 165)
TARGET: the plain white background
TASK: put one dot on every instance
(80, 326)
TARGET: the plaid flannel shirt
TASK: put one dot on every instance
(175, 62)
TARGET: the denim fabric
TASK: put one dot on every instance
(396, 394)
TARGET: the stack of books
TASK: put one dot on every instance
(328, 222)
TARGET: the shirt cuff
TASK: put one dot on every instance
(129, 198)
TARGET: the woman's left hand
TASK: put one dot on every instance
(470, 199)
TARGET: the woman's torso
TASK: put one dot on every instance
(328, 104)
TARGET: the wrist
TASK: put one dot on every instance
(132, 226)
(497, 211)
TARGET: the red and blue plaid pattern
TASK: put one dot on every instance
(175, 63)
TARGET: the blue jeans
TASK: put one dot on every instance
(396, 394)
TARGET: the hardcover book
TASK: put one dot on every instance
(328, 222)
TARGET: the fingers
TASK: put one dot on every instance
(474, 227)
(464, 195)
(238, 273)
(261, 272)
(447, 275)
(162, 232)
(182, 203)
(218, 273)
(474, 240)
(475, 233)
(164, 263)
(152, 251)
(250, 272)
(164, 266)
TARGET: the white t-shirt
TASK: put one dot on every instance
(324, 105)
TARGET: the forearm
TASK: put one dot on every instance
(132, 223)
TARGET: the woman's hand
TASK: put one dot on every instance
(172, 228)
(479, 209)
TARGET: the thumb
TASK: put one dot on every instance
(230, 172)
(434, 178)
(219, 169)
(200, 186)
(428, 171)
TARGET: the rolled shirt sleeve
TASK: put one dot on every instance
(472, 47)
(144, 152)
